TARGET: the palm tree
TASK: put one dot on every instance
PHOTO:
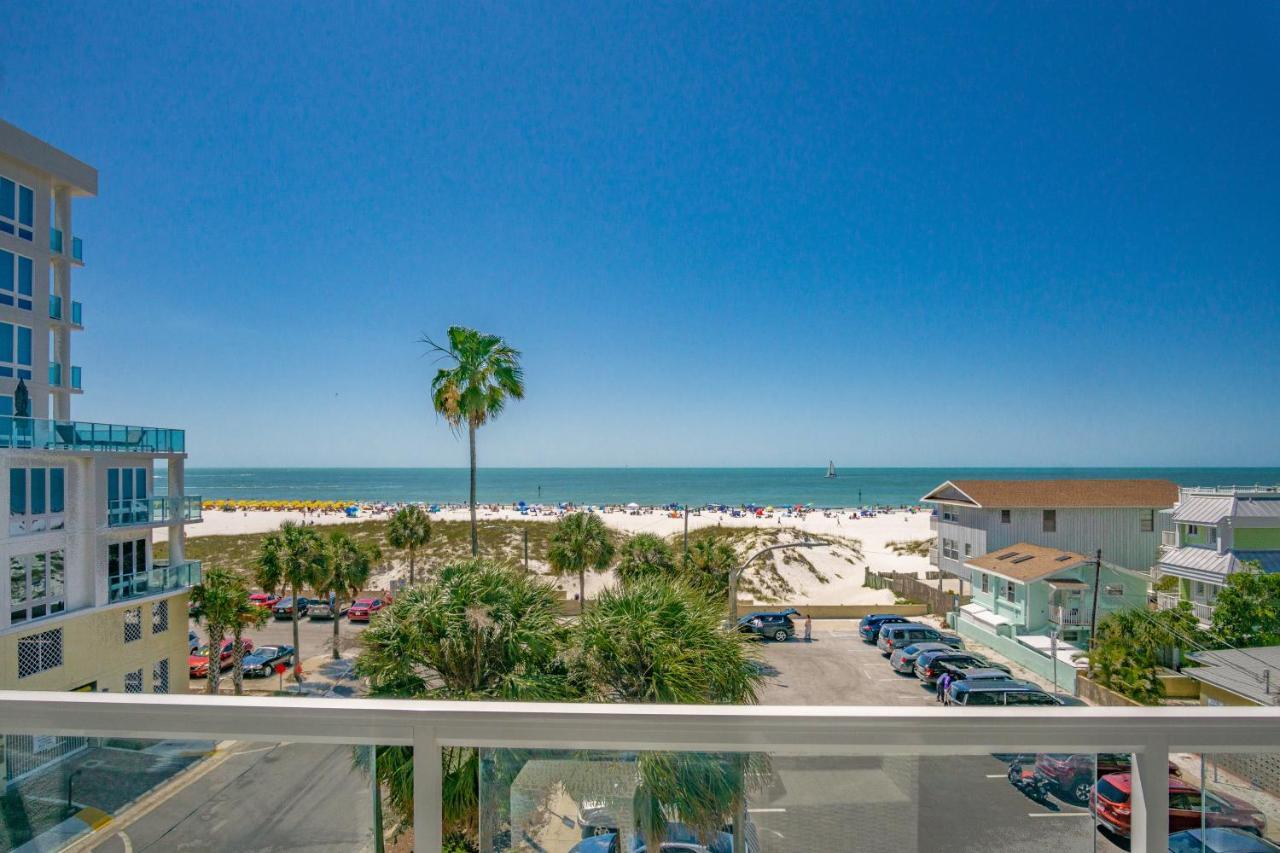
(346, 571)
(293, 557)
(580, 541)
(645, 555)
(475, 630)
(708, 564)
(485, 373)
(246, 615)
(215, 603)
(410, 528)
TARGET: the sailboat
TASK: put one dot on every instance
(831, 470)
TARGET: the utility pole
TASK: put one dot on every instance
(526, 548)
(686, 530)
(1097, 581)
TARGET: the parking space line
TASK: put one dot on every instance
(997, 775)
(1058, 814)
(766, 811)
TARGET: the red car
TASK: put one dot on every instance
(1111, 804)
(1073, 775)
(198, 663)
(364, 608)
(264, 600)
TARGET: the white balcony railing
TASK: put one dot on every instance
(1150, 734)
(1168, 539)
(1170, 601)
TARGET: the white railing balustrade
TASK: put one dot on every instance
(1150, 734)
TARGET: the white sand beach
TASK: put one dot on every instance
(843, 580)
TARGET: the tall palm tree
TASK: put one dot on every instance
(215, 603)
(346, 571)
(645, 555)
(580, 541)
(708, 564)
(294, 558)
(410, 529)
(485, 372)
(246, 615)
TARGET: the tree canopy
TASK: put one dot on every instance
(1247, 610)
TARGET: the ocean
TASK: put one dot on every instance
(648, 486)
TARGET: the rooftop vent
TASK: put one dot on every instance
(1063, 558)
(1024, 558)
(1007, 556)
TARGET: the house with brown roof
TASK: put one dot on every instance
(1120, 517)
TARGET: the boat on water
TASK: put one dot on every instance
(831, 470)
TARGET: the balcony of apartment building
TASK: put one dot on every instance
(72, 250)
(87, 437)
(558, 776)
(1203, 610)
(154, 512)
(162, 577)
(59, 313)
(68, 379)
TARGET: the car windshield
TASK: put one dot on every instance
(266, 651)
(368, 602)
(202, 652)
(1111, 793)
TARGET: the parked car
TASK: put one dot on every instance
(929, 669)
(869, 626)
(1111, 804)
(988, 693)
(265, 600)
(1072, 775)
(899, 635)
(262, 661)
(198, 661)
(321, 609)
(362, 609)
(775, 626)
(904, 660)
(680, 839)
(193, 642)
(961, 672)
(283, 608)
(1219, 840)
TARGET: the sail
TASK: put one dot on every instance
(831, 468)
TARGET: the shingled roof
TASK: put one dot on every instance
(1025, 562)
(1050, 494)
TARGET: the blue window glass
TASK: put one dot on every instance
(26, 206)
(7, 188)
(6, 405)
(37, 491)
(24, 345)
(25, 275)
(17, 491)
(6, 342)
(113, 484)
(126, 484)
(6, 270)
(57, 490)
(140, 482)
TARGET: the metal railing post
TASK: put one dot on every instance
(428, 791)
(1150, 796)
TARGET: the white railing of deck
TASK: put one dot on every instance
(1149, 733)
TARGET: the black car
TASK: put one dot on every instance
(869, 626)
(775, 626)
(284, 607)
(261, 661)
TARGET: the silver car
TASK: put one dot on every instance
(894, 637)
(904, 660)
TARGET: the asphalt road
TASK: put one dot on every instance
(289, 796)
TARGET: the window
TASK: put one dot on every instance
(133, 681)
(1213, 536)
(159, 616)
(1006, 516)
(1146, 520)
(1193, 530)
(37, 500)
(950, 550)
(17, 209)
(133, 626)
(950, 514)
(1113, 589)
(17, 273)
(37, 585)
(968, 549)
(39, 652)
(986, 582)
(160, 676)
(1008, 591)
(1050, 523)
(15, 351)
(126, 496)
(126, 569)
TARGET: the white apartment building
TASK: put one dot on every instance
(85, 605)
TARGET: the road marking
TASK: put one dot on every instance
(997, 775)
(1058, 814)
(128, 845)
(766, 811)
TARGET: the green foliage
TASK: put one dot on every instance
(409, 529)
(580, 541)
(485, 373)
(217, 601)
(344, 573)
(708, 564)
(645, 555)
(294, 558)
(1247, 610)
(912, 547)
(1167, 583)
(1126, 648)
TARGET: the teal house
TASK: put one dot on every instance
(1035, 604)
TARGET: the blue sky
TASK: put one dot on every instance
(722, 234)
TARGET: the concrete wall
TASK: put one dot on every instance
(1024, 656)
(1096, 694)
(1211, 695)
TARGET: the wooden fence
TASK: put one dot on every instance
(907, 585)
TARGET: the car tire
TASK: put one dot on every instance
(780, 635)
(1081, 790)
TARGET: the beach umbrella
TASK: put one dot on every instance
(633, 505)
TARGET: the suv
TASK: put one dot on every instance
(776, 626)
(929, 669)
(903, 660)
(1188, 805)
(987, 693)
(899, 636)
(1073, 774)
(869, 625)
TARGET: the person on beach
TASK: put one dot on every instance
(808, 628)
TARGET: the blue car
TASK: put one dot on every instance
(1219, 840)
(679, 837)
(869, 626)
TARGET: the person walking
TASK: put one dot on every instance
(808, 628)
(944, 681)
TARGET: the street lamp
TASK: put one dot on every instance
(735, 573)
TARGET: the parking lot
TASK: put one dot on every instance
(958, 803)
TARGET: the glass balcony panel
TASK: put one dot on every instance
(45, 434)
(75, 377)
(55, 240)
(243, 795)
(55, 374)
(161, 577)
(1225, 799)
(55, 306)
(554, 800)
(158, 510)
(77, 249)
(76, 313)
